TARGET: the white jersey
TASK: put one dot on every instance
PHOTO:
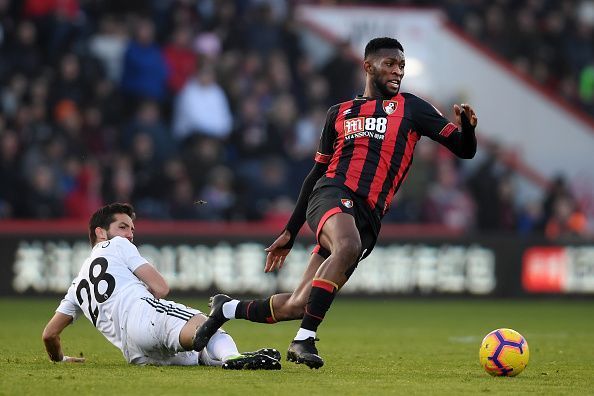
(106, 288)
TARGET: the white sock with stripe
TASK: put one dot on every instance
(303, 334)
(229, 309)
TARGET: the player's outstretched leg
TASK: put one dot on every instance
(252, 361)
(215, 320)
(305, 351)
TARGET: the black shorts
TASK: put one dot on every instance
(326, 201)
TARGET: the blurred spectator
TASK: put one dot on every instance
(263, 32)
(279, 73)
(200, 156)
(566, 219)
(558, 190)
(228, 26)
(251, 139)
(316, 92)
(43, 200)
(301, 144)
(145, 71)
(48, 155)
(119, 184)
(147, 120)
(69, 85)
(177, 190)
(13, 94)
(85, 197)
(69, 127)
(282, 120)
(447, 202)
(271, 188)
(180, 58)
(485, 186)
(530, 218)
(22, 53)
(201, 108)
(109, 45)
(407, 206)
(57, 22)
(109, 100)
(182, 203)
(146, 168)
(98, 136)
(10, 174)
(506, 209)
(342, 73)
(219, 194)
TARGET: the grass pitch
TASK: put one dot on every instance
(371, 347)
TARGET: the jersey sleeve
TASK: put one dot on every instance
(68, 305)
(328, 137)
(430, 122)
(130, 254)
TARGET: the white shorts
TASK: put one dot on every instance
(152, 333)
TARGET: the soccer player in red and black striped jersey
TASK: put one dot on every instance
(365, 152)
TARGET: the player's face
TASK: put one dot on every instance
(123, 226)
(386, 71)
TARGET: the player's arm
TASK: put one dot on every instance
(278, 251)
(51, 338)
(463, 142)
(458, 137)
(153, 280)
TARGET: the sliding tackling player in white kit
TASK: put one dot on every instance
(122, 295)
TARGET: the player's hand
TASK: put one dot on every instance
(465, 111)
(71, 359)
(277, 253)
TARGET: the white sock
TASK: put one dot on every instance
(221, 346)
(206, 360)
(304, 334)
(229, 309)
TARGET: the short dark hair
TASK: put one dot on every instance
(105, 215)
(379, 43)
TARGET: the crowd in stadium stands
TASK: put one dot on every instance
(161, 103)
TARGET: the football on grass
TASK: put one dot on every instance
(504, 352)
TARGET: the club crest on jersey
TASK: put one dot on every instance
(389, 106)
(347, 203)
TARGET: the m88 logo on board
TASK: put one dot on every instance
(373, 127)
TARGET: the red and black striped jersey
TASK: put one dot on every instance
(368, 144)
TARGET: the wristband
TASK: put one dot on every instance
(466, 125)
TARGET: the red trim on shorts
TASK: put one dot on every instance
(322, 284)
(316, 249)
(325, 218)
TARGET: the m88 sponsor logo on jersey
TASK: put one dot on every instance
(372, 127)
